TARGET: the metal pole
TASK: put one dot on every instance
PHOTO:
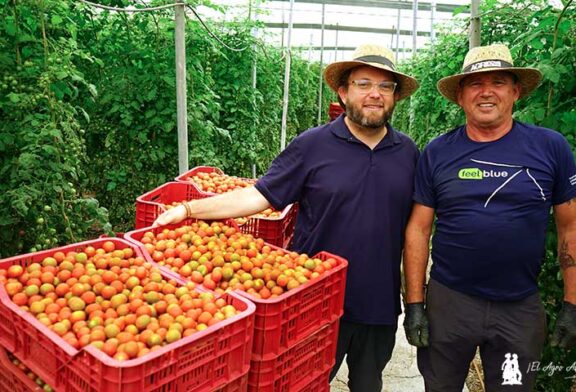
(414, 25)
(182, 120)
(432, 16)
(282, 39)
(336, 43)
(254, 72)
(397, 34)
(286, 80)
(310, 49)
(474, 35)
(319, 119)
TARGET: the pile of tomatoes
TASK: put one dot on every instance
(219, 183)
(221, 258)
(112, 299)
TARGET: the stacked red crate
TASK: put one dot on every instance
(216, 358)
(274, 230)
(295, 333)
(14, 379)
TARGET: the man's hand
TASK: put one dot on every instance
(173, 215)
(564, 335)
(416, 324)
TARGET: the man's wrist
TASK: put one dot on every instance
(187, 209)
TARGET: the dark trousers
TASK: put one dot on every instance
(510, 336)
(368, 349)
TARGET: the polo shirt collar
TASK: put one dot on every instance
(340, 130)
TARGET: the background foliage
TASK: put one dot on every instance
(88, 113)
(539, 36)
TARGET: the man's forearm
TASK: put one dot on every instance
(415, 263)
(239, 203)
(566, 251)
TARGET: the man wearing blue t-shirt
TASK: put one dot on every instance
(353, 180)
(491, 184)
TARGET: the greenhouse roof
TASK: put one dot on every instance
(328, 29)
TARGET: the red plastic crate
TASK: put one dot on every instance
(238, 385)
(151, 204)
(204, 361)
(319, 384)
(276, 231)
(283, 321)
(199, 169)
(12, 378)
(299, 366)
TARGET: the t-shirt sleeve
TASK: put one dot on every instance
(424, 192)
(565, 181)
(282, 184)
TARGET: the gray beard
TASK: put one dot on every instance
(356, 117)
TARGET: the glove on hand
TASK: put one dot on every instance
(416, 325)
(564, 335)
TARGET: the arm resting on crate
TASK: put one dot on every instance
(238, 203)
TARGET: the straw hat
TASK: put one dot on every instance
(495, 57)
(374, 56)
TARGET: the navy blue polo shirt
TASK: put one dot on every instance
(492, 203)
(354, 202)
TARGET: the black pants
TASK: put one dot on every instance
(510, 336)
(368, 349)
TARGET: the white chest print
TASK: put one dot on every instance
(521, 170)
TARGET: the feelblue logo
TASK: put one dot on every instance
(474, 173)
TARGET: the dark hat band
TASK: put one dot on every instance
(487, 64)
(376, 59)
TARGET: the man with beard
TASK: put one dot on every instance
(353, 180)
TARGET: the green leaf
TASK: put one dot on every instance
(92, 89)
(550, 73)
(537, 43)
(56, 20)
(14, 98)
(10, 26)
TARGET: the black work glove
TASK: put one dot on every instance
(564, 335)
(416, 324)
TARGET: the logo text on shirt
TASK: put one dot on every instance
(473, 173)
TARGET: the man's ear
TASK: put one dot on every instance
(458, 95)
(343, 93)
(518, 87)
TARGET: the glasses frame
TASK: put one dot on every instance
(378, 86)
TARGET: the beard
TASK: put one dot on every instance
(373, 121)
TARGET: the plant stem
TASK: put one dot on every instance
(556, 26)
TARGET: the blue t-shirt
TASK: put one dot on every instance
(492, 203)
(354, 202)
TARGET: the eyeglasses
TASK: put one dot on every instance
(384, 88)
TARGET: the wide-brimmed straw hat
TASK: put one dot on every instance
(375, 56)
(490, 58)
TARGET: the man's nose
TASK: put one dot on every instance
(486, 89)
(375, 92)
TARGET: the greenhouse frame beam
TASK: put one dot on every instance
(345, 48)
(391, 4)
(316, 26)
